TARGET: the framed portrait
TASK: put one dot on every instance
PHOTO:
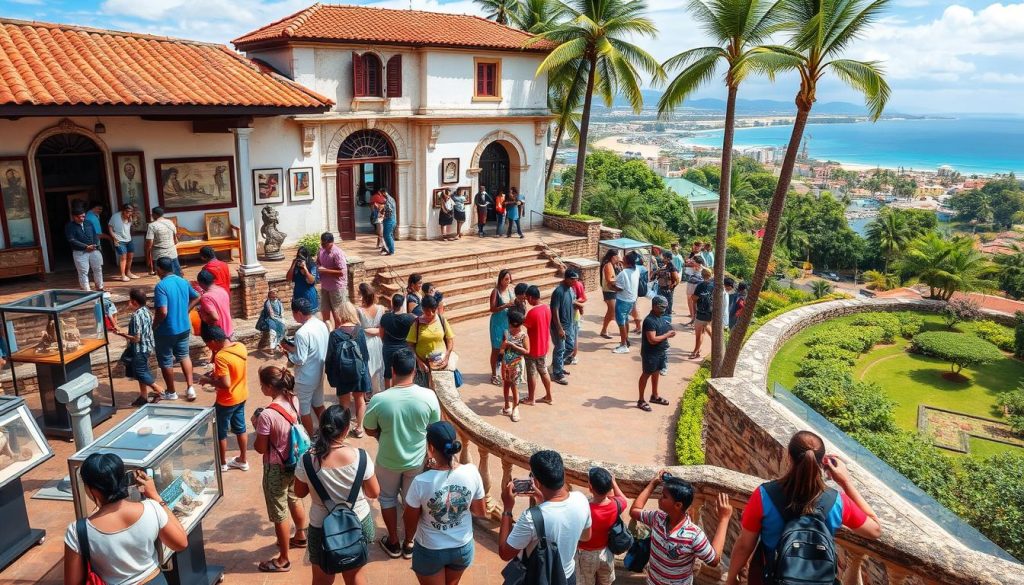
(186, 184)
(173, 219)
(268, 186)
(438, 193)
(218, 225)
(449, 171)
(131, 186)
(301, 182)
(466, 192)
(17, 213)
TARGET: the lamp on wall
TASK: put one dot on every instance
(99, 128)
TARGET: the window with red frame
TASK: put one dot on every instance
(367, 75)
(488, 83)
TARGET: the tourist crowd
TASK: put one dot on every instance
(378, 360)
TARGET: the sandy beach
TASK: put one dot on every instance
(612, 143)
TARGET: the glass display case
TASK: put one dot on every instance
(22, 448)
(56, 332)
(177, 447)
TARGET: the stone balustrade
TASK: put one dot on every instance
(906, 556)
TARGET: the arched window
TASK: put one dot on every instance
(367, 75)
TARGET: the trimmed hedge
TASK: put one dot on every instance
(769, 302)
(854, 339)
(994, 333)
(690, 426)
(810, 368)
(850, 404)
(825, 351)
(560, 213)
(910, 323)
(887, 322)
(960, 349)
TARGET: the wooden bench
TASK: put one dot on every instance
(190, 242)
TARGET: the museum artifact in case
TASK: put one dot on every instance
(57, 331)
(22, 448)
(177, 447)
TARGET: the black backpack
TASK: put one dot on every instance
(619, 538)
(705, 302)
(345, 361)
(642, 287)
(806, 551)
(541, 567)
(343, 547)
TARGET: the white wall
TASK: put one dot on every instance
(275, 142)
(450, 79)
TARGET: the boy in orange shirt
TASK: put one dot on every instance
(229, 378)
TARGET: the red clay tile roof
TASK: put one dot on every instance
(361, 24)
(44, 64)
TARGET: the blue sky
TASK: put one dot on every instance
(939, 56)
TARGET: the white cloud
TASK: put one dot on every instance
(1002, 78)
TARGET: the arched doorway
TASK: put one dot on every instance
(494, 168)
(70, 168)
(366, 162)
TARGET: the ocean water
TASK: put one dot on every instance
(971, 144)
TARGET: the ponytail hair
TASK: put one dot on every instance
(803, 483)
(104, 472)
(441, 436)
(334, 424)
(278, 378)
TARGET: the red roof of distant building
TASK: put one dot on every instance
(43, 64)
(361, 24)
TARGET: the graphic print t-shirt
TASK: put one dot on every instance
(444, 498)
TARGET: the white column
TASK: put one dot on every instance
(246, 205)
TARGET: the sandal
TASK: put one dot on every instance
(358, 433)
(515, 414)
(496, 380)
(506, 411)
(659, 400)
(643, 406)
(545, 400)
(693, 356)
(297, 543)
(271, 566)
(606, 336)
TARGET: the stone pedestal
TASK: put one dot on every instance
(253, 290)
(590, 271)
(591, 228)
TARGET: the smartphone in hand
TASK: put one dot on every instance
(522, 486)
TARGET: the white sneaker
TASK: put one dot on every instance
(664, 371)
(190, 394)
(574, 362)
(234, 463)
(621, 349)
(170, 395)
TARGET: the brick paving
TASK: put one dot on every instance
(594, 416)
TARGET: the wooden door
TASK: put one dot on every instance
(346, 202)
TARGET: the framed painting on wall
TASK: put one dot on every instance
(301, 182)
(449, 170)
(218, 225)
(268, 186)
(132, 188)
(438, 193)
(196, 183)
(17, 212)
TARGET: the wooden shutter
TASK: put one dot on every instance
(358, 76)
(394, 74)
(481, 79)
(372, 67)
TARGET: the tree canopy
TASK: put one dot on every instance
(962, 350)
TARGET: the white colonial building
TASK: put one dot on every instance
(324, 105)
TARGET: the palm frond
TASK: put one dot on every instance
(688, 81)
(866, 77)
(853, 25)
(562, 54)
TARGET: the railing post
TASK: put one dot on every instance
(464, 454)
(852, 575)
(493, 508)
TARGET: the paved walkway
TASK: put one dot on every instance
(595, 416)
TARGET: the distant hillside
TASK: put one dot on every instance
(744, 106)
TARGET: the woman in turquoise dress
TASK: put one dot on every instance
(502, 299)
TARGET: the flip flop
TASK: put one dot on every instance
(545, 400)
(659, 400)
(271, 566)
(643, 406)
(296, 543)
(694, 356)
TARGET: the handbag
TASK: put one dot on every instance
(91, 578)
(619, 538)
(127, 356)
(640, 552)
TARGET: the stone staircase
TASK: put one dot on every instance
(467, 280)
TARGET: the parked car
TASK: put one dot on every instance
(829, 276)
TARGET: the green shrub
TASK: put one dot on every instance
(770, 302)
(958, 310)
(561, 213)
(855, 339)
(795, 295)
(310, 243)
(991, 496)
(810, 368)
(910, 323)
(1012, 402)
(1018, 341)
(992, 332)
(887, 322)
(850, 405)
(825, 394)
(915, 457)
(833, 353)
(690, 426)
(960, 349)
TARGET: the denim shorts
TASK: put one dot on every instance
(171, 348)
(122, 248)
(233, 416)
(622, 310)
(426, 562)
(139, 369)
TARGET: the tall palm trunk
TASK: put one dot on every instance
(581, 152)
(554, 153)
(771, 232)
(719, 306)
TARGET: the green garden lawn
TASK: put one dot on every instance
(911, 380)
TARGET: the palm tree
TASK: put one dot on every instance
(537, 16)
(738, 27)
(1011, 272)
(500, 11)
(593, 36)
(696, 225)
(820, 288)
(742, 211)
(565, 92)
(791, 236)
(822, 31)
(623, 209)
(946, 266)
(890, 232)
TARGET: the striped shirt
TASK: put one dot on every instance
(673, 555)
(141, 324)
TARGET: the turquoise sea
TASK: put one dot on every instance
(970, 144)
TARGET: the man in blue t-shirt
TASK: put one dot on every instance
(173, 298)
(563, 325)
(514, 209)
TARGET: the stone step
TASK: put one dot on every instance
(497, 259)
(476, 304)
(471, 281)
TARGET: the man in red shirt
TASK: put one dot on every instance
(219, 269)
(214, 306)
(538, 328)
(595, 564)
